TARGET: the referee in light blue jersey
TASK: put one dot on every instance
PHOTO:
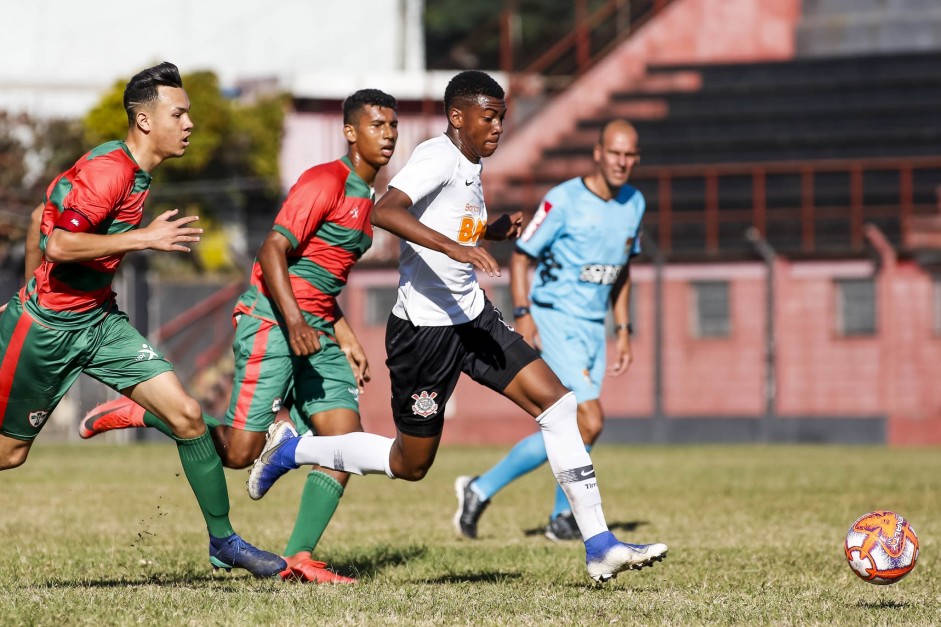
(581, 239)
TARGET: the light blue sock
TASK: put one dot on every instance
(528, 454)
(561, 501)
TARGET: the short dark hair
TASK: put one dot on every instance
(141, 90)
(359, 100)
(470, 84)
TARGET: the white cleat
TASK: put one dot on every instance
(622, 556)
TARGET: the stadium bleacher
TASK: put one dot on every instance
(852, 122)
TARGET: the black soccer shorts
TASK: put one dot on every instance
(425, 364)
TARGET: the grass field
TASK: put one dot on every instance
(110, 535)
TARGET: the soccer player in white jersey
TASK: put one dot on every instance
(581, 238)
(442, 324)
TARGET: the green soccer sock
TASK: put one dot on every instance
(203, 470)
(319, 501)
(152, 421)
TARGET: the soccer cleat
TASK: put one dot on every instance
(269, 466)
(469, 507)
(234, 552)
(563, 527)
(606, 556)
(120, 413)
(304, 569)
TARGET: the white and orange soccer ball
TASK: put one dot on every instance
(881, 547)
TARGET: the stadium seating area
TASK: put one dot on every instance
(807, 150)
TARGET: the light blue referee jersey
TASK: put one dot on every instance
(581, 242)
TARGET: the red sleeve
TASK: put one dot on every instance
(98, 189)
(307, 206)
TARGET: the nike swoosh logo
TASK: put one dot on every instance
(470, 182)
(587, 473)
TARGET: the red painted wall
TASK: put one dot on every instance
(819, 371)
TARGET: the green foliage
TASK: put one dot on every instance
(467, 34)
(111, 535)
(232, 141)
(230, 168)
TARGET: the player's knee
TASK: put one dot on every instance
(187, 421)
(238, 459)
(409, 470)
(414, 473)
(13, 458)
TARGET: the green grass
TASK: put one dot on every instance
(110, 535)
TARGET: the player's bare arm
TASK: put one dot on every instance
(391, 214)
(507, 226)
(273, 258)
(353, 350)
(164, 233)
(33, 252)
(519, 292)
(620, 299)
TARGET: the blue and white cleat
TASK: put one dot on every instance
(270, 465)
(234, 552)
(606, 556)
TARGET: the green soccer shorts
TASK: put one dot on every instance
(269, 376)
(38, 363)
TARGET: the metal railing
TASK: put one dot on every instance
(765, 211)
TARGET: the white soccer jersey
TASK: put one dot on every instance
(447, 196)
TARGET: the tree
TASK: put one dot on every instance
(230, 170)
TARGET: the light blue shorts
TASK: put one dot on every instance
(574, 349)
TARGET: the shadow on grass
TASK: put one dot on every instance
(481, 577)
(376, 560)
(169, 581)
(885, 604)
(614, 527)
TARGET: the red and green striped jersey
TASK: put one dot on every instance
(108, 188)
(326, 218)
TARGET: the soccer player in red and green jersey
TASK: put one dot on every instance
(66, 321)
(293, 347)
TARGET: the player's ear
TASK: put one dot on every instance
(142, 119)
(456, 117)
(349, 131)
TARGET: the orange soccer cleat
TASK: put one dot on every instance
(302, 568)
(120, 413)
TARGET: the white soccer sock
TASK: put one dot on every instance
(572, 465)
(358, 453)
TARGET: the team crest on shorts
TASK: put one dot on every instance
(36, 418)
(276, 405)
(425, 404)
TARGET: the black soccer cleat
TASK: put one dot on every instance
(562, 528)
(469, 508)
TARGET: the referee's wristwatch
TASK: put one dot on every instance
(519, 312)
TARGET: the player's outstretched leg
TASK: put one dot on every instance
(234, 552)
(120, 413)
(273, 462)
(605, 555)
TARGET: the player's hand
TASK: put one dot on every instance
(3, 307)
(171, 235)
(526, 327)
(478, 257)
(358, 362)
(625, 356)
(303, 338)
(505, 227)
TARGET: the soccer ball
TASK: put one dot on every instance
(881, 547)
